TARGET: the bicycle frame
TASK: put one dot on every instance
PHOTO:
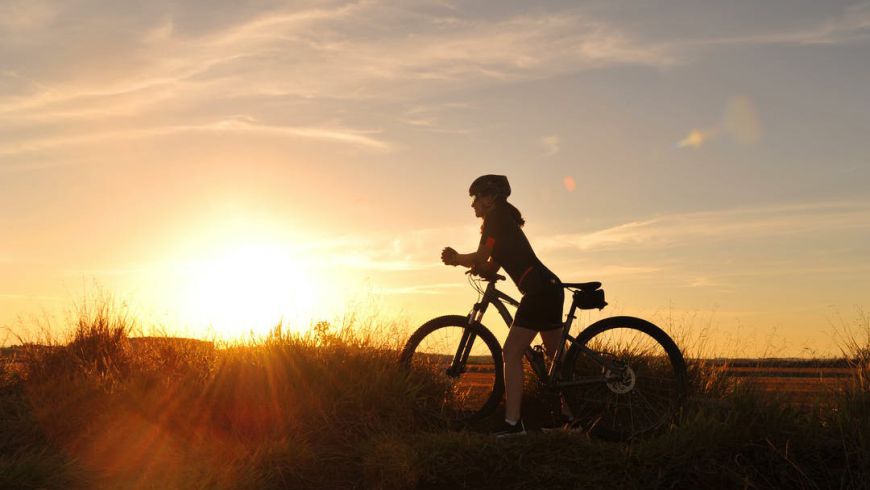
(497, 298)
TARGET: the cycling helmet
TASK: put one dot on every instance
(490, 184)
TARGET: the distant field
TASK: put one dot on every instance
(794, 380)
(794, 383)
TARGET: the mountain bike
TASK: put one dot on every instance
(620, 376)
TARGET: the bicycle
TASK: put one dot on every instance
(620, 376)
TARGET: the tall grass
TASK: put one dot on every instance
(330, 409)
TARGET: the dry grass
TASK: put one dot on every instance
(331, 410)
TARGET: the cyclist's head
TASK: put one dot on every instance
(496, 186)
(489, 191)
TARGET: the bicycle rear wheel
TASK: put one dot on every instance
(636, 378)
(470, 390)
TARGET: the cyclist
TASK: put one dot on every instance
(503, 244)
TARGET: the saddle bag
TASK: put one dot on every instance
(590, 300)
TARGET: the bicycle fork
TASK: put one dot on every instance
(463, 350)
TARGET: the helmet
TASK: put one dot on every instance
(490, 184)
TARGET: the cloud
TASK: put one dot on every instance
(429, 117)
(355, 51)
(729, 224)
(609, 271)
(851, 25)
(422, 289)
(409, 250)
(247, 125)
(149, 75)
(379, 262)
(239, 125)
(319, 63)
(23, 16)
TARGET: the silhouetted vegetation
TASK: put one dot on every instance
(330, 409)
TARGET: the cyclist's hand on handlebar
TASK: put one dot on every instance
(448, 256)
(478, 271)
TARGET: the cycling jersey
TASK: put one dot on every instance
(511, 249)
(543, 297)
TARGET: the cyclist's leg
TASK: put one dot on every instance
(551, 340)
(515, 345)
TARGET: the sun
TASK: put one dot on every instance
(247, 288)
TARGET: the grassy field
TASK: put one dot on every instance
(330, 410)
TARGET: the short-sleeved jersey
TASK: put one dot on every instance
(510, 247)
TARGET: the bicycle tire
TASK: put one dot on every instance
(645, 398)
(473, 394)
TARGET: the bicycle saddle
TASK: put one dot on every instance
(582, 286)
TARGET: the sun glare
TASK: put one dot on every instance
(247, 289)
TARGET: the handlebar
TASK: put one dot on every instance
(487, 277)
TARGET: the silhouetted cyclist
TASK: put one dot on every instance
(503, 244)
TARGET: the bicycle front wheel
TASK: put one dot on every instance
(631, 378)
(471, 386)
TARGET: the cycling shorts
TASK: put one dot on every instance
(542, 303)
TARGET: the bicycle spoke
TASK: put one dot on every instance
(660, 396)
(647, 413)
(642, 382)
(660, 410)
(469, 386)
(615, 408)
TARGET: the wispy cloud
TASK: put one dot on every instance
(728, 224)
(164, 76)
(422, 289)
(608, 271)
(430, 117)
(412, 250)
(851, 25)
(356, 51)
(376, 261)
(22, 16)
(239, 125)
(164, 73)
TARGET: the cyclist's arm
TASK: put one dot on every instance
(487, 268)
(473, 259)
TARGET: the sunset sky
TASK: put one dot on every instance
(227, 163)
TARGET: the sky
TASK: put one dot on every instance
(217, 166)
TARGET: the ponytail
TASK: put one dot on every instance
(515, 213)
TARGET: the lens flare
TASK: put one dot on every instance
(569, 183)
(695, 138)
(741, 120)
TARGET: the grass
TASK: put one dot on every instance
(330, 410)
